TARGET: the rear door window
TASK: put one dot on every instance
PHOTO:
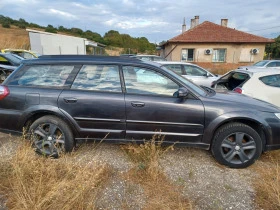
(272, 64)
(175, 67)
(98, 78)
(271, 80)
(194, 71)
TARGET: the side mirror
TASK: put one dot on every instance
(208, 74)
(183, 92)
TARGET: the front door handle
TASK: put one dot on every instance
(137, 104)
(70, 100)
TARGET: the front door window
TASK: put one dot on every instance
(145, 81)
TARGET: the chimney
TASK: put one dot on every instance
(195, 21)
(196, 18)
(192, 23)
(224, 22)
(184, 26)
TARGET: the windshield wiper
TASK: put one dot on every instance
(208, 89)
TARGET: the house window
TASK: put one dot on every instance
(219, 55)
(187, 55)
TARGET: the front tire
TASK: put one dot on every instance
(51, 136)
(236, 145)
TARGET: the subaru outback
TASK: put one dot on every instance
(61, 100)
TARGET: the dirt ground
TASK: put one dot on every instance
(206, 183)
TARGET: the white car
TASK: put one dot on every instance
(149, 57)
(256, 83)
(263, 64)
(192, 72)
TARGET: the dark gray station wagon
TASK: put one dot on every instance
(63, 99)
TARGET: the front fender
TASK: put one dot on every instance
(220, 120)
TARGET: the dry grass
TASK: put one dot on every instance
(267, 183)
(160, 192)
(29, 181)
(14, 37)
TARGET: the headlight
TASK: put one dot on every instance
(277, 115)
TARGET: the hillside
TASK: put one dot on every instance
(14, 37)
(18, 38)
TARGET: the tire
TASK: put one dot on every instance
(236, 145)
(51, 136)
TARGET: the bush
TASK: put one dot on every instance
(6, 25)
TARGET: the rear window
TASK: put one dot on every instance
(260, 63)
(232, 80)
(271, 80)
(42, 75)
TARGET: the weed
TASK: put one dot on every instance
(147, 155)
(267, 183)
(34, 182)
(191, 173)
(160, 192)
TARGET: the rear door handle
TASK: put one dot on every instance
(70, 100)
(137, 104)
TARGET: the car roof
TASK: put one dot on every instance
(175, 62)
(18, 50)
(269, 60)
(87, 59)
(147, 55)
(258, 71)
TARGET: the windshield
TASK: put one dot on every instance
(260, 63)
(37, 54)
(193, 86)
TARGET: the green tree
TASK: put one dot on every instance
(22, 23)
(273, 50)
(113, 38)
(51, 29)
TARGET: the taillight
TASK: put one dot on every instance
(4, 91)
(238, 90)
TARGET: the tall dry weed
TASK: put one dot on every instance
(29, 181)
(160, 192)
(147, 155)
(267, 182)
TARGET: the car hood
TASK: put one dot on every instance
(242, 101)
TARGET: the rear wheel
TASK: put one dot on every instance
(51, 136)
(236, 145)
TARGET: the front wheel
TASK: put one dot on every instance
(51, 136)
(236, 145)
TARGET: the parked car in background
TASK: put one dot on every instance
(260, 84)
(8, 63)
(127, 55)
(149, 57)
(193, 72)
(26, 54)
(263, 64)
(62, 99)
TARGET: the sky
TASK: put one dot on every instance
(157, 20)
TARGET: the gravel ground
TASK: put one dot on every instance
(207, 184)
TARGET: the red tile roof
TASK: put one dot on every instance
(207, 32)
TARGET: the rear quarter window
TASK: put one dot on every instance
(42, 75)
(271, 80)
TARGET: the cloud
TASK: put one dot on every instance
(62, 14)
(154, 19)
